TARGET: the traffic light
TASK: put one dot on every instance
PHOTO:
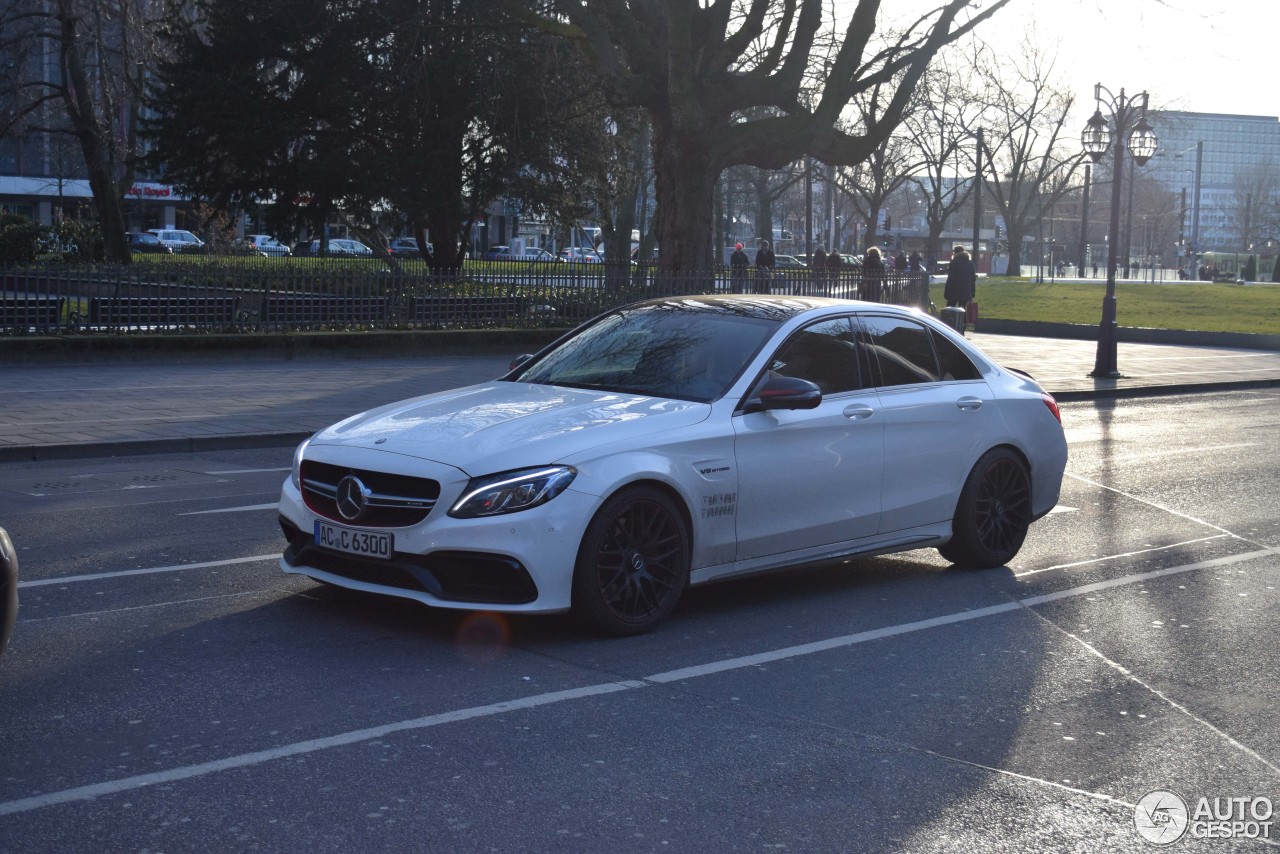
(888, 223)
(998, 232)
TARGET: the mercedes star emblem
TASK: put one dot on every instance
(352, 497)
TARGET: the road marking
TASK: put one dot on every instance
(251, 471)
(1199, 450)
(273, 505)
(1140, 500)
(141, 607)
(122, 573)
(244, 760)
(1125, 554)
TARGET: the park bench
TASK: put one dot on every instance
(165, 311)
(28, 313)
(443, 310)
(321, 310)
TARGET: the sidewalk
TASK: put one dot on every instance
(55, 411)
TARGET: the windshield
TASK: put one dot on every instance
(687, 351)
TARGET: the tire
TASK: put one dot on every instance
(993, 514)
(633, 564)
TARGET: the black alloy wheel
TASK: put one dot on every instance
(993, 514)
(633, 564)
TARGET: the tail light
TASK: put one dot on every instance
(1053, 406)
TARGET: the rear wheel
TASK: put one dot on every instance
(633, 563)
(993, 514)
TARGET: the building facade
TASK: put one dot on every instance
(1234, 161)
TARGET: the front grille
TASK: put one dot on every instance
(476, 577)
(394, 500)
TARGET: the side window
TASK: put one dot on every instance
(903, 349)
(825, 354)
(953, 362)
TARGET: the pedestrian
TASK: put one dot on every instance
(818, 267)
(834, 265)
(919, 281)
(962, 279)
(900, 262)
(765, 261)
(1095, 269)
(738, 265)
(872, 276)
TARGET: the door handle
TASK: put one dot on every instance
(858, 411)
(968, 403)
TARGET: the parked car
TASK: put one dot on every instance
(178, 240)
(678, 441)
(787, 262)
(147, 243)
(267, 245)
(342, 247)
(581, 255)
(406, 247)
(504, 253)
(8, 589)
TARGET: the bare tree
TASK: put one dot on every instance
(871, 184)
(1031, 158)
(1251, 212)
(694, 68)
(941, 129)
(81, 67)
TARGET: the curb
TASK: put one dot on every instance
(136, 447)
(18, 350)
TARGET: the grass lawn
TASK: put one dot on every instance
(1200, 305)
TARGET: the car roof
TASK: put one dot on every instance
(766, 307)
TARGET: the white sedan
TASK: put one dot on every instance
(675, 442)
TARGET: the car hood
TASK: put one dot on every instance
(506, 425)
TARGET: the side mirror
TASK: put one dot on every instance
(519, 360)
(779, 392)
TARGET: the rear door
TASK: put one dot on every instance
(935, 408)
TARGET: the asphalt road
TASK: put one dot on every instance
(168, 689)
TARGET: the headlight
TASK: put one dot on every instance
(295, 473)
(512, 491)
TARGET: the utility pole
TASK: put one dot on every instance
(977, 196)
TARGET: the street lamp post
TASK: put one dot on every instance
(1133, 133)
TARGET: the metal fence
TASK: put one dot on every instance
(277, 296)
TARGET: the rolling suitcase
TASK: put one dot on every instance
(954, 316)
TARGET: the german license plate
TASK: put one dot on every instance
(377, 544)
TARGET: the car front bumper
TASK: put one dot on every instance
(518, 562)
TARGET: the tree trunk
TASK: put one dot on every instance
(95, 139)
(1015, 254)
(685, 179)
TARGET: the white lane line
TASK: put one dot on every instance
(142, 607)
(249, 471)
(1126, 554)
(1141, 500)
(1062, 508)
(1177, 451)
(84, 793)
(1133, 677)
(273, 505)
(98, 576)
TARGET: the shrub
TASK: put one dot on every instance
(19, 239)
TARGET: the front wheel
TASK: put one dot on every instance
(633, 563)
(993, 514)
